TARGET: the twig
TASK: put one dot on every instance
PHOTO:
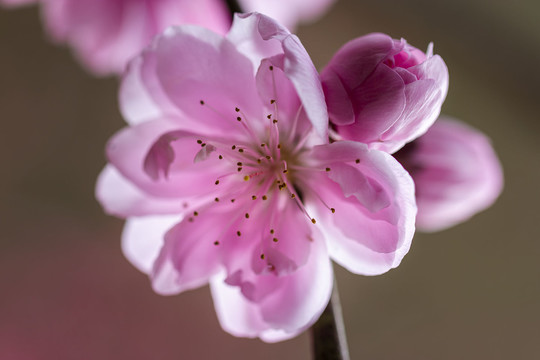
(328, 337)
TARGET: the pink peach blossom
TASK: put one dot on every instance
(456, 173)
(105, 34)
(384, 92)
(226, 177)
(288, 12)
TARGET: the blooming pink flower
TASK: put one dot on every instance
(226, 165)
(456, 173)
(384, 92)
(288, 12)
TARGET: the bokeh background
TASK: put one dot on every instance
(66, 291)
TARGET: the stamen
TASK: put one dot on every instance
(271, 231)
(275, 240)
(216, 243)
(216, 199)
(238, 233)
(220, 157)
(357, 161)
(264, 197)
(333, 210)
(195, 213)
(247, 216)
(327, 169)
(199, 142)
(262, 256)
(253, 197)
(313, 221)
(217, 182)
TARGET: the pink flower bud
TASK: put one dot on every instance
(456, 174)
(384, 92)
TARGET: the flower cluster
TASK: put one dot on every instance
(243, 168)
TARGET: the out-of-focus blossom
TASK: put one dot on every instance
(288, 12)
(384, 92)
(456, 173)
(225, 167)
(105, 34)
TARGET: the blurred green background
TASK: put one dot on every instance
(66, 291)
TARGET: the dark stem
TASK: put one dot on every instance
(328, 333)
(233, 6)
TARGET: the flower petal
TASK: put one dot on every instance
(294, 303)
(456, 172)
(424, 99)
(280, 97)
(372, 224)
(190, 254)
(142, 239)
(120, 197)
(258, 37)
(288, 12)
(205, 76)
(142, 155)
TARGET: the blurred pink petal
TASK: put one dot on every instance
(383, 92)
(237, 138)
(288, 12)
(456, 172)
(105, 34)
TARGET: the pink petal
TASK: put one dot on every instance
(290, 12)
(355, 61)
(378, 103)
(294, 304)
(275, 88)
(105, 34)
(141, 97)
(208, 91)
(258, 37)
(456, 172)
(120, 197)
(142, 239)
(190, 254)
(373, 200)
(133, 152)
(424, 100)
(276, 241)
